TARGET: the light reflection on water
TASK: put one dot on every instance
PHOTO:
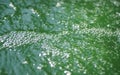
(86, 43)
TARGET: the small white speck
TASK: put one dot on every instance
(118, 13)
(53, 18)
(75, 49)
(60, 67)
(33, 11)
(75, 27)
(38, 15)
(66, 55)
(40, 54)
(65, 32)
(91, 21)
(58, 4)
(1, 40)
(116, 3)
(108, 25)
(67, 72)
(24, 62)
(52, 64)
(10, 49)
(44, 54)
(67, 66)
(5, 18)
(85, 71)
(38, 67)
(11, 5)
(95, 65)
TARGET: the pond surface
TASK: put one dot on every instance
(59, 37)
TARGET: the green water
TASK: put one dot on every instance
(59, 37)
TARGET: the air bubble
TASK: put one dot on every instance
(24, 62)
(39, 68)
(58, 4)
(67, 72)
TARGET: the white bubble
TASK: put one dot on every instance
(11, 5)
(108, 25)
(39, 67)
(95, 65)
(58, 4)
(60, 67)
(75, 27)
(85, 71)
(33, 11)
(24, 62)
(52, 64)
(40, 54)
(116, 3)
(67, 72)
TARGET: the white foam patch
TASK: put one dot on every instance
(15, 38)
(11, 5)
